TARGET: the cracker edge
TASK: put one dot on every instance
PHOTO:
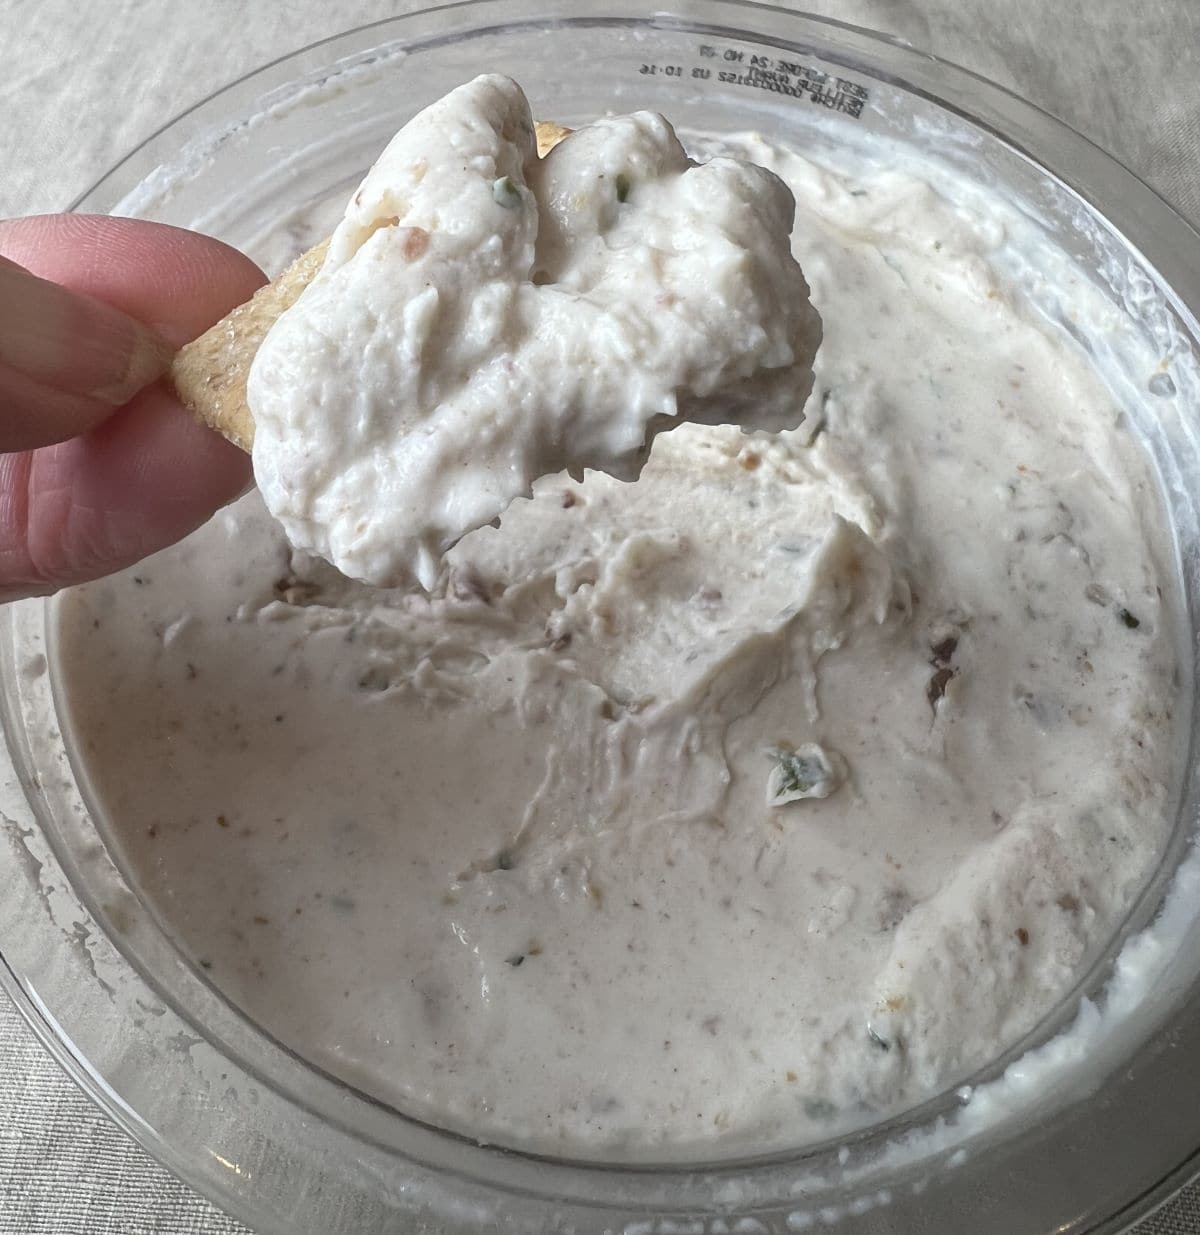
(210, 373)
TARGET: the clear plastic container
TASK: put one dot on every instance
(1082, 1137)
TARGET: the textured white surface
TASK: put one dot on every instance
(454, 353)
(84, 82)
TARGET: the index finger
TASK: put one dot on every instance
(150, 473)
(173, 280)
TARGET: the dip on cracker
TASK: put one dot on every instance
(482, 317)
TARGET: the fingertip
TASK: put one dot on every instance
(177, 281)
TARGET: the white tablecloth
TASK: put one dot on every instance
(82, 81)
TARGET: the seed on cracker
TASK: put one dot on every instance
(210, 373)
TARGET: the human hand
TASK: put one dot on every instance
(102, 464)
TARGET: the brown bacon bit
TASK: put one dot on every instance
(937, 684)
(415, 243)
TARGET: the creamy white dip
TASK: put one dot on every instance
(484, 317)
(518, 857)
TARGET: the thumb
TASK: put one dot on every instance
(66, 360)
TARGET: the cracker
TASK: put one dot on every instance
(549, 135)
(210, 373)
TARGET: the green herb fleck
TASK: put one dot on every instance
(807, 772)
(1127, 619)
(623, 187)
(819, 1108)
(797, 774)
(506, 193)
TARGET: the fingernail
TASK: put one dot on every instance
(73, 343)
(149, 358)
